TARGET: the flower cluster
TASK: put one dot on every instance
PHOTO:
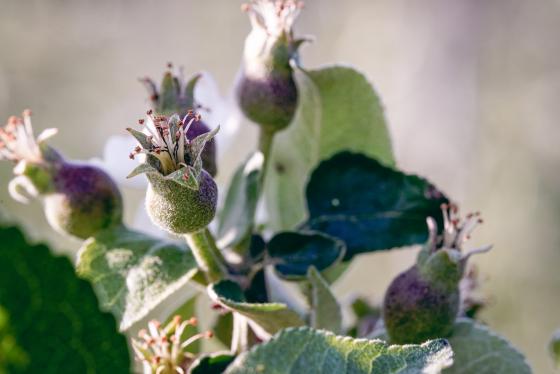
(456, 230)
(167, 148)
(275, 17)
(164, 349)
(17, 141)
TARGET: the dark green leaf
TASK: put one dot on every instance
(370, 206)
(215, 363)
(132, 272)
(271, 317)
(237, 216)
(257, 291)
(304, 350)
(338, 110)
(293, 253)
(53, 315)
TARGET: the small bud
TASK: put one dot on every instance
(267, 92)
(177, 97)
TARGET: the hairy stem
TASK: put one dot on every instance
(207, 255)
(266, 138)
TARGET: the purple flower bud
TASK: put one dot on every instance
(267, 92)
(79, 199)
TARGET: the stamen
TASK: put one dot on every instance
(18, 141)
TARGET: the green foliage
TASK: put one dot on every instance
(132, 272)
(223, 328)
(271, 317)
(11, 354)
(479, 350)
(370, 206)
(54, 316)
(238, 213)
(293, 253)
(215, 363)
(338, 110)
(325, 311)
(304, 350)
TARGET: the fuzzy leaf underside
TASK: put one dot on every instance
(293, 253)
(477, 349)
(338, 110)
(304, 350)
(271, 317)
(370, 206)
(326, 313)
(132, 272)
(237, 216)
(53, 316)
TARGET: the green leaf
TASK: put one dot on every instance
(271, 317)
(12, 356)
(293, 253)
(132, 272)
(215, 363)
(54, 316)
(237, 216)
(304, 350)
(325, 310)
(223, 328)
(554, 348)
(479, 350)
(338, 110)
(370, 206)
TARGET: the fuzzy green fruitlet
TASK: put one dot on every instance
(422, 303)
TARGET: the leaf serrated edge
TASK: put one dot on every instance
(476, 325)
(328, 334)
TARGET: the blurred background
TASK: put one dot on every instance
(471, 90)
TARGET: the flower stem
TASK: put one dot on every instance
(266, 138)
(207, 255)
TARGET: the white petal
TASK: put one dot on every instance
(117, 163)
(46, 134)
